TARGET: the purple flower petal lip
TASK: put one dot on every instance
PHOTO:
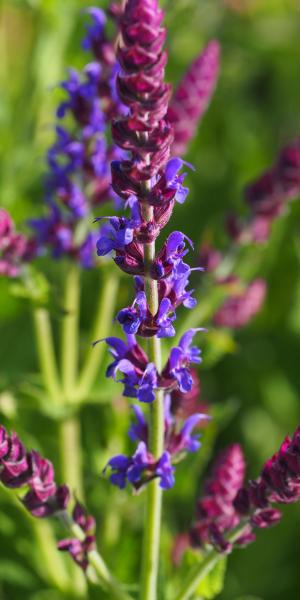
(165, 471)
(138, 430)
(191, 422)
(147, 384)
(119, 462)
(187, 338)
(126, 367)
(173, 166)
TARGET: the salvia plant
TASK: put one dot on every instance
(120, 137)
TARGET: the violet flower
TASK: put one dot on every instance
(79, 160)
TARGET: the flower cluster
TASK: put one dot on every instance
(193, 95)
(140, 468)
(268, 196)
(15, 248)
(79, 172)
(21, 468)
(141, 378)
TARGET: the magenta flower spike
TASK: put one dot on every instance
(279, 483)
(193, 95)
(21, 468)
(16, 249)
(216, 513)
(239, 309)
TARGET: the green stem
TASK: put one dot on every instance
(104, 315)
(198, 573)
(151, 542)
(108, 582)
(49, 557)
(46, 353)
(69, 428)
(70, 454)
(69, 337)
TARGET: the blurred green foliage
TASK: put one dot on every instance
(253, 382)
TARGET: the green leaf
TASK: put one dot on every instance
(213, 583)
(15, 573)
(33, 286)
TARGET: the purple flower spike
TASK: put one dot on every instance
(193, 95)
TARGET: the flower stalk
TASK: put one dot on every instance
(46, 353)
(108, 291)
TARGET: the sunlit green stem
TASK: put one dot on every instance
(70, 454)
(46, 354)
(49, 557)
(69, 428)
(198, 573)
(69, 331)
(104, 316)
(151, 542)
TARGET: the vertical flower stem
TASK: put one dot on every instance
(151, 543)
(46, 354)
(104, 316)
(69, 337)
(69, 433)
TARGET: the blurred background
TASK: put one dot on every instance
(252, 378)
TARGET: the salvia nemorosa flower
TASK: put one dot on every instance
(193, 95)
(131, 367)
(15, 248)
(239, 308)
(43, 498)
(141, 468)
(79, 175)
